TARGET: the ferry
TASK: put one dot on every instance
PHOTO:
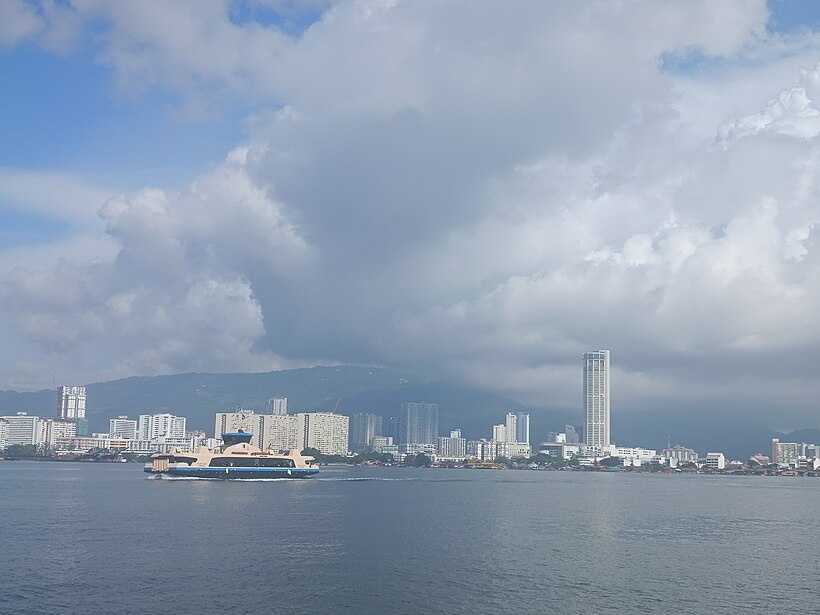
(235, 458)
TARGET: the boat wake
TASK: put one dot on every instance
(362, 479)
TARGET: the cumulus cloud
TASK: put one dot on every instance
(465, 190)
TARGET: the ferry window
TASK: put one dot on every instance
(276, 463)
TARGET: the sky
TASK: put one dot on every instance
(470, 191)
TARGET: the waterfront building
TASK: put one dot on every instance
(163, 425)
(363, 428)
(572, 436)
(809, 450)
(678, 455)
(559, 449)
(785, 454)
(325, 431)
(4, 426)
(715, 461)
(499, 433)
(760, 459)
(482, 450)
(453, 448)
(419, 423)
(122, 427)
(596, 398)
(384, 445)
(512, 450)
(55, 429)
(22, 429)
(631, 455)
(278, 406)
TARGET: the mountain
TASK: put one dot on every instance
(705, 432)
(346, 389)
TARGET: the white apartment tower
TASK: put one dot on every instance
(122, 427)
(153, 426)
(325, 431)
(276, 432)
(71, 403)
(596, 398)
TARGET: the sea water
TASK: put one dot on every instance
(105, 538)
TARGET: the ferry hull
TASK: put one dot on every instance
(236, 473)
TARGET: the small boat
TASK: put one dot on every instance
(235, 458)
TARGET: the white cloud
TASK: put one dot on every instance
(470, 190)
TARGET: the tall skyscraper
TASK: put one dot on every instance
(596, 398)
(419, 423)
(511, 428)
(71, 403)
(522, 427)
(363, 427)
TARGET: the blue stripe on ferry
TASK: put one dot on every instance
(231, 470)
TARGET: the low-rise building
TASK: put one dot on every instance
(715, 461)
(679, 455)
(760, 459)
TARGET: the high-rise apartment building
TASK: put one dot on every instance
(785, 454)
(278, 406)
(325, 431)
(452, 448)
(516, 428)
(280, 432)
(596, 398)
(276, 432)
(511, 427)
(122, 427)
(165, 425)
(4, 433)
(363, 427)
(71, 403)
(22, 429)
(244, 420)
(419, 423)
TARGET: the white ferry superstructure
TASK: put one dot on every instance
(235, 458)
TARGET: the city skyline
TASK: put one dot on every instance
(648, 194)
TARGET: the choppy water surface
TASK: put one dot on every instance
(93, 538)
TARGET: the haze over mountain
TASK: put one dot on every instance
(349, 389)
